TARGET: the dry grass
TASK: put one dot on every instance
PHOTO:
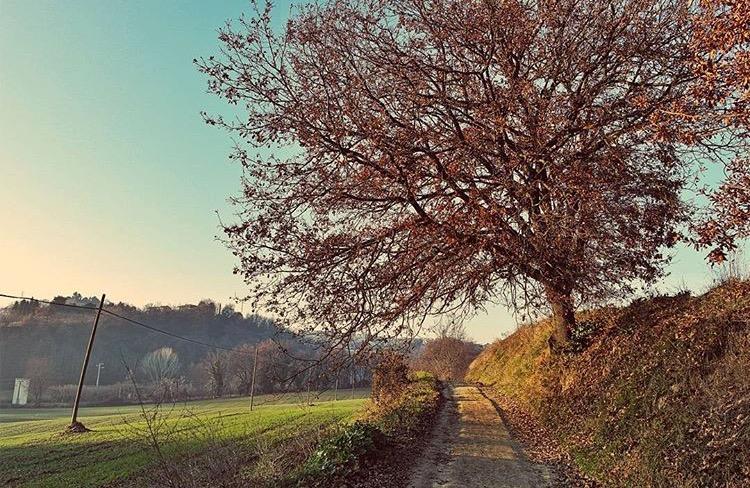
(659, 397)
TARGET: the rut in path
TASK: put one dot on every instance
(472, 448)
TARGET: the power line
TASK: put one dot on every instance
(126, 319)
(170, 334)
(31, 299)
(146, 326)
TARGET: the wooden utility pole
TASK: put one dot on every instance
(74, 424)
(252, 383)
(336, 389)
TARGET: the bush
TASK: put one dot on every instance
(401, 417)
(389, 378)
(422, 376)
(345, 448)
(384, 425)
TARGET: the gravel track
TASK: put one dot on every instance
(472, 448)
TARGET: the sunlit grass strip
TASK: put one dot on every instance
(34, 453)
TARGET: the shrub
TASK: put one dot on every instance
(383, 426)
(344, 448)
(389, 378)
(402, 415)
(421, 376)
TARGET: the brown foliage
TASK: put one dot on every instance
(449, 354)
(433, 155)
(447, 358)
(389, 377)
(660, 397)
(722, 54)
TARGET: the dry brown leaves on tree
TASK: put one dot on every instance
(431, 156)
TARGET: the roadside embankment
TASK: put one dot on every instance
(658, 393)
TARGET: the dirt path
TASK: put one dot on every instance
(472, 448)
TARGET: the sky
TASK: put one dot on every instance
(110, 182)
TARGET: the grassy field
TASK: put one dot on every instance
(34, 452)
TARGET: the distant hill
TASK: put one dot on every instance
(59, 335)
(658, 396)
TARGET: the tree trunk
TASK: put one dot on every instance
(563, 316)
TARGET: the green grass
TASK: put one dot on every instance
(34, 453)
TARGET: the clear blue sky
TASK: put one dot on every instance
(109, 180)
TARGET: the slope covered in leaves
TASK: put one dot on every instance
(658, 395)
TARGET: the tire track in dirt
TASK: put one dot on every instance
(472, 448)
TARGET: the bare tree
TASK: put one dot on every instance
(160, 365)
(241, 361)
(448, 355)
(216, 365)
(450, 327)
(275, 368)
(436, 155)
(39, 372)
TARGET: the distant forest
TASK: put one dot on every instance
(57, 335)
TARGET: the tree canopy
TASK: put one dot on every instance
(433, 155)
(722, 50)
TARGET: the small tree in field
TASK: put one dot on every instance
(275, 368)
(160, 365)
(449, 355)
(241, 366)
(216, 366)
(39, 373)
(436, 155)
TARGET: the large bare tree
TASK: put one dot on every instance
(430, 156)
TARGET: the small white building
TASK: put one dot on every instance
(21, 391)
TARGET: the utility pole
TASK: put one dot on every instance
(2, 346)
(99, 367)
(336, 389)
(241, 303)
(252, 383)
(309, 374)
(76, 426)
